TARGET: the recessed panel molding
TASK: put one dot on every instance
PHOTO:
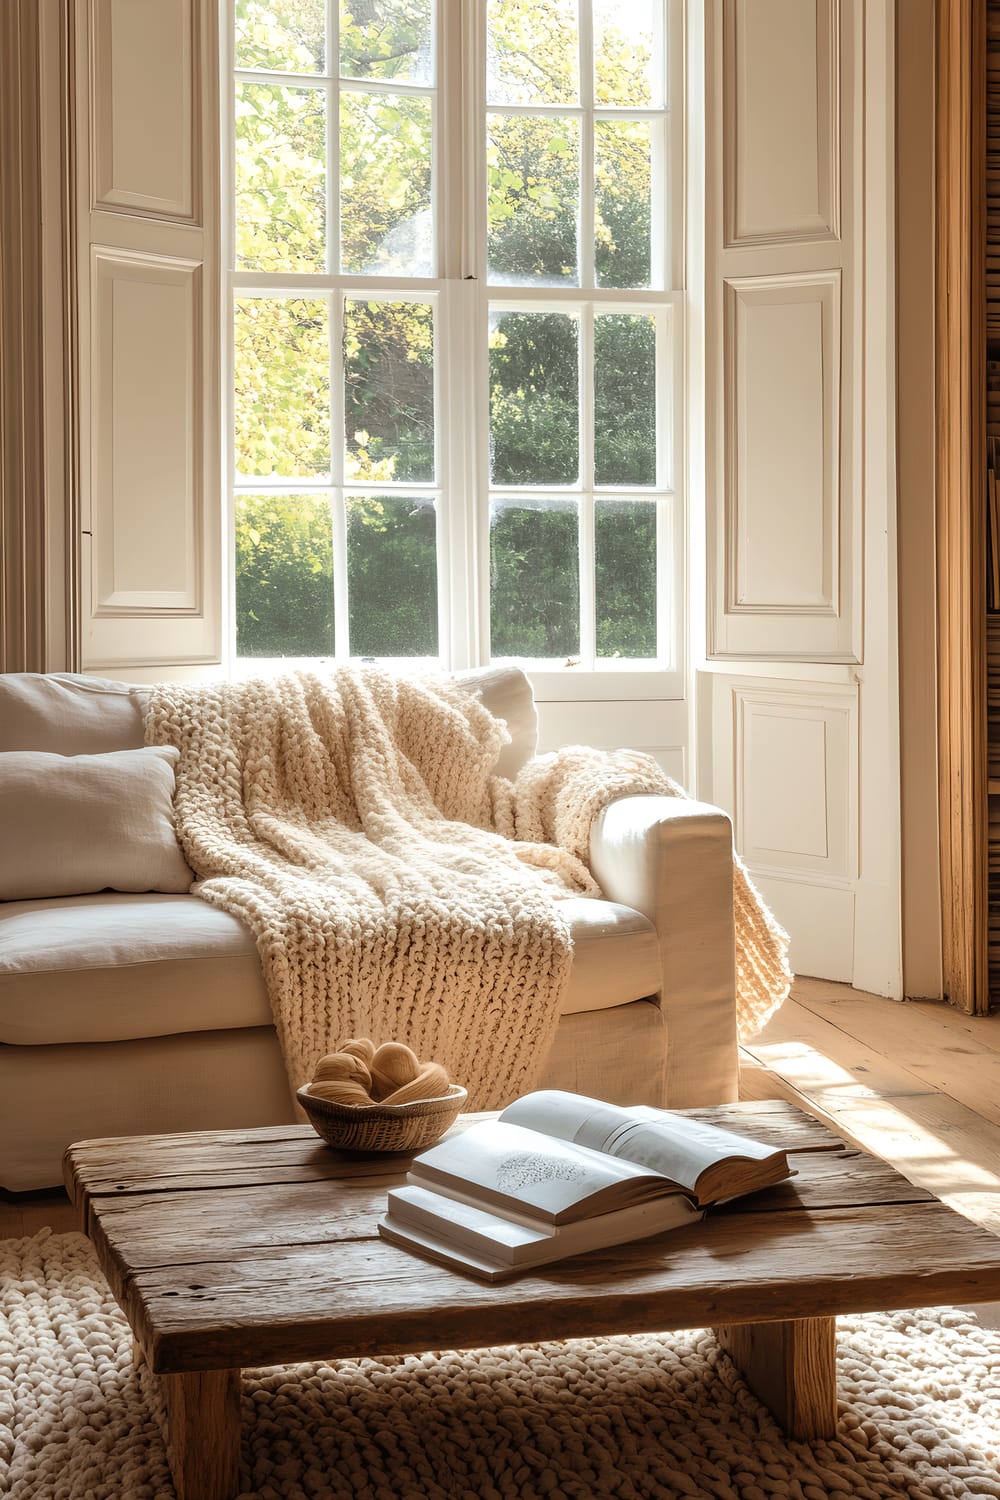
(781, 121)
(782, 440)
(145, 104)
(147, 485)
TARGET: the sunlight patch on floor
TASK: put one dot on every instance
(909, 1127)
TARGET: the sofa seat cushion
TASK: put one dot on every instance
(112, 967)
(616, 956)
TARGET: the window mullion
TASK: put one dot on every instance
(667, 623)
(669, 398)
(462, 533)
(586, 248)
(674, 146)
(338, 447)
(587, 161)
(333, 135)
(460, 342)
(588, 601)
(335, 304)
(662, 229)
(666, 403)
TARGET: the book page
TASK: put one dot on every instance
(505, 1164)
(694, 1146)
(680, 1148)
(570, 1117)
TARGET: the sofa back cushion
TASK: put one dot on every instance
(506, 692)
(73, 715)
(81, 823)
(64, 714)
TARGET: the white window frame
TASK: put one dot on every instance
(461, 297)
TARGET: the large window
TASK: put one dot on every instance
(455, 330)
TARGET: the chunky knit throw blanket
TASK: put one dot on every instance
(395, 886)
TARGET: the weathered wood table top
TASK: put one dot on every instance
(228, 1249)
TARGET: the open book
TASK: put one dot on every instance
(557, 1174)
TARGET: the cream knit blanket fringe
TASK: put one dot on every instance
(395, 888)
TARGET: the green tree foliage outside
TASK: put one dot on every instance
(284, 542)
(391, 556)
(534, 579)
(389, 391)
(624, 400)
(534, 399)
(284, 572)
(625, 579)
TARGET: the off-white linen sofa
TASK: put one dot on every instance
(129, 1011)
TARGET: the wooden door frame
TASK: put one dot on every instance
(960, 353)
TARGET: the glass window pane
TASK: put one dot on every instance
(624, 399)
(531, 52)
(627, 52)
(392, 576)
(625, 578)
(281, 360)
(280, 178)
(285, 36)
(622, 202)
(386, 39)
(389, 391)
(533, 196)
(534, 398)
(385, 183)
(534, 578)
(284, 575)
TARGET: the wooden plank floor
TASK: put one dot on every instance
(916, 1083)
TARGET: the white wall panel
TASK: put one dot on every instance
(148, 397)
(144, 87)
(657, 728)
(781, 110)
(782, 353)
(795, 772)
(786, 768)
(821, 920)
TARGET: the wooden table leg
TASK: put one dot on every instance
(791, 1366)
(203, 1433)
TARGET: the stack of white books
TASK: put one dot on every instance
(558, 1174)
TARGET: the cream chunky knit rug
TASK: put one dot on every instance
(395, 887)
(659, 1416)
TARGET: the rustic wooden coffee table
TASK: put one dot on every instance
(231, 1249)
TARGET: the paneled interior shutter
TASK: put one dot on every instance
(149, 271)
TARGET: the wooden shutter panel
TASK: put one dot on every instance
(785, 423)
(149, 276)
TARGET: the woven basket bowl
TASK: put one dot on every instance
(383, 1127)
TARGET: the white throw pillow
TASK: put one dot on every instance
(72, 824)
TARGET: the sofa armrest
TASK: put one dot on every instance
(672, 859)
